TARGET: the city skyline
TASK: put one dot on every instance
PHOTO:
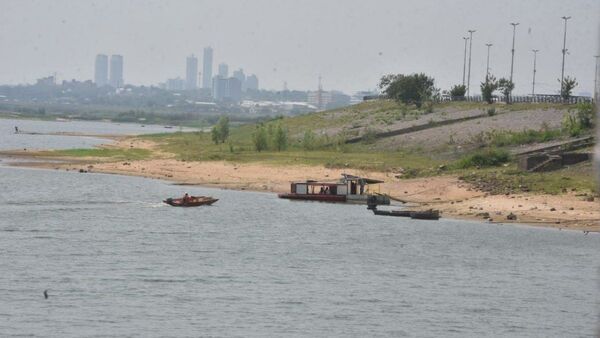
(292, 52)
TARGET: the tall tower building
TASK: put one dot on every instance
(116, 71)
(191, 73)
(101, 70)
(252, 82)
(207, 68)
(223, 70)
(239, 74)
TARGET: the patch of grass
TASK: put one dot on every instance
(511, 138)
(333, 154)
(511, 180)
(486, 158)
(117, 154)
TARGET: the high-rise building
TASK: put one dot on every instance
(176, 84)
(239, 74)
(116, 71)
(207, 68)
(252, 82)
(227, 89)
(191, 72)
(101, 70)
(223, 70)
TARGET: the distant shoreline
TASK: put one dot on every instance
(454, 198)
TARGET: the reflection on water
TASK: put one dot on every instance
(117, 262)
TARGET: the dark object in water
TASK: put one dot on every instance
(45, 294)
(193, 201)
(426, 214)
(397, 213)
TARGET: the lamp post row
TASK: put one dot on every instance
(535, 51)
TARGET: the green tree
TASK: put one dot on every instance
(223, 128)
(488, 88)
(259, 138)
(215, 135)
(409, 89)
(458, 92)
(281, 138)
(506, 87)
(567, 86)
(220, 132)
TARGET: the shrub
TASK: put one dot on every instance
(428, 107)
(369, 136)
(583, 119)
(491, 111)
(585, 115)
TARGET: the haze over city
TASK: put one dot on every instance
(351, 44)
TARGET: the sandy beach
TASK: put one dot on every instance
(454, 198)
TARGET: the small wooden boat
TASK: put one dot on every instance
(425, 214)
(192, 201)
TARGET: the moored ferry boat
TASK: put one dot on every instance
(349, 189)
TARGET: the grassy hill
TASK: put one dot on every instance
(473, 140)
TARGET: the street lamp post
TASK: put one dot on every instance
(465, 60)
(564, 52)
(535, 51)
(596, 79)
(471, 31)
(487, 68)
(512, 61)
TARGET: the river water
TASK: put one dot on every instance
(117, 262)
(30, 137)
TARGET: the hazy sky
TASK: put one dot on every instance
(350, 43)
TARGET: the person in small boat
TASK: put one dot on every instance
(327, 191)
(322, 191)
(186, 198)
